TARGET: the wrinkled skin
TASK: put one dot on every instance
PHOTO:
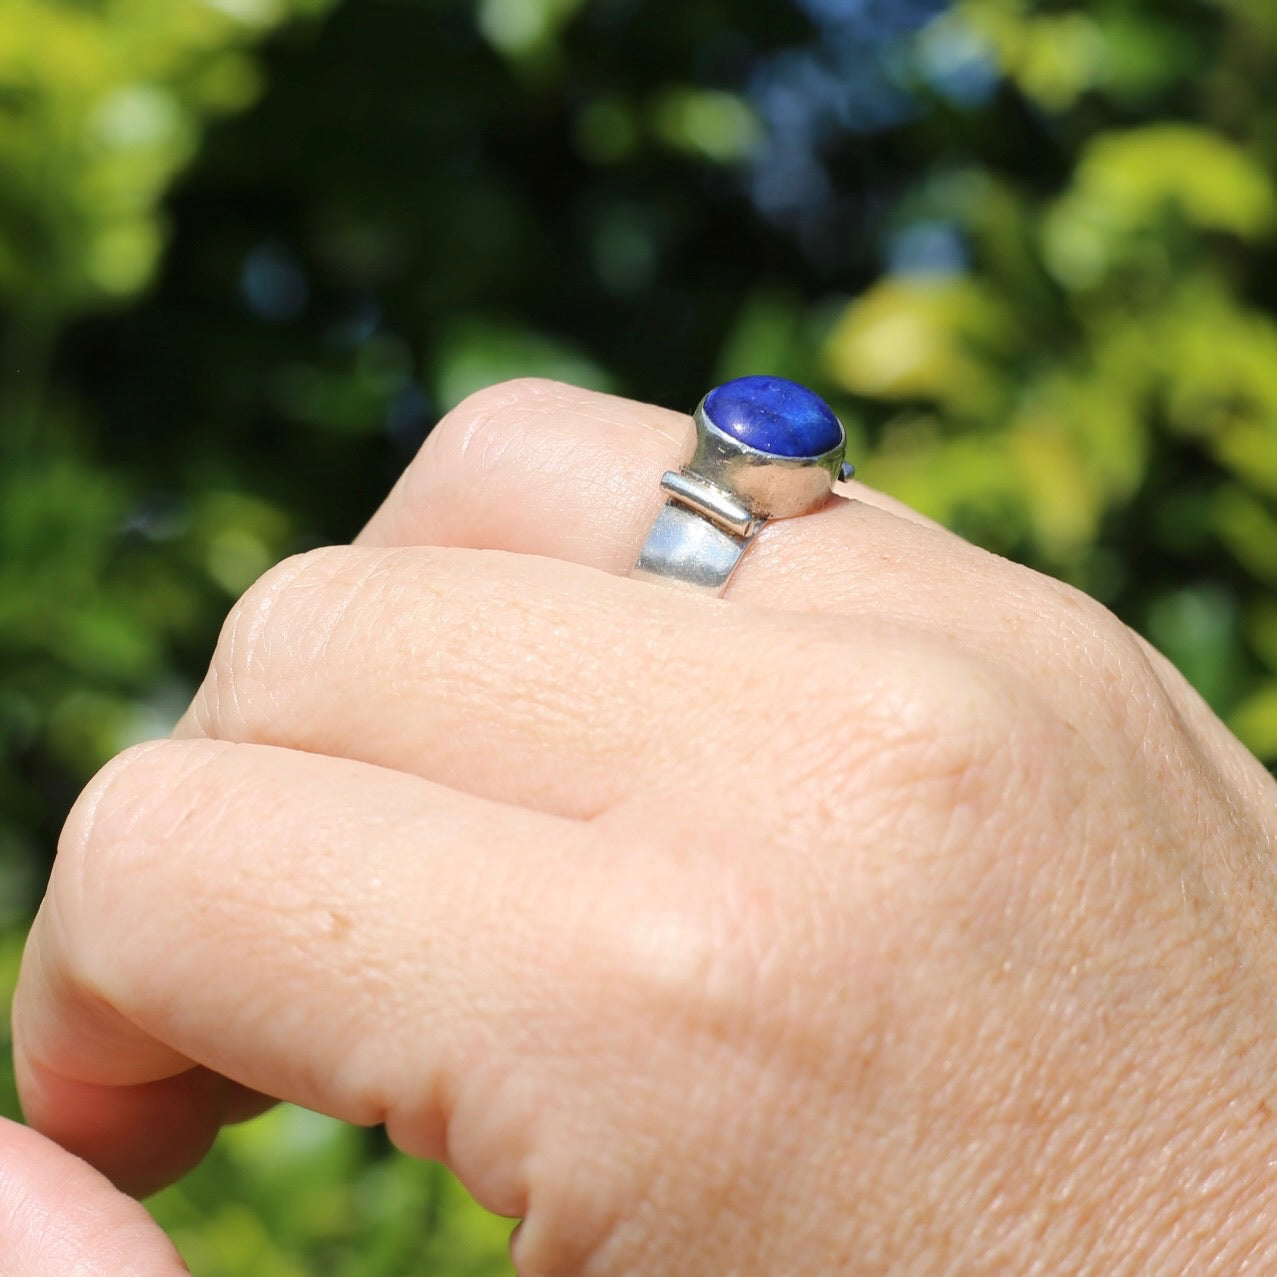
(901, 912)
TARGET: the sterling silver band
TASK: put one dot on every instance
(690, 547)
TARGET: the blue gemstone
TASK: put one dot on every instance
(775, 416)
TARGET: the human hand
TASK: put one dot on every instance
(60, 1217)
(901, 912)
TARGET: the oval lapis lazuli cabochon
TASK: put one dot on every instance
(774, 415)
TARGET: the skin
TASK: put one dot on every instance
(61, 1218)
(900, 913)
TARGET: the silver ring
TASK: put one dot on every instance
(766, 448)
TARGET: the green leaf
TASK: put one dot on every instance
(922, 338)
(477, 351)
(1255, 721)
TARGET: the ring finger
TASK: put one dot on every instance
(537, 467)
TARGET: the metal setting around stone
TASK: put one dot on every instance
(768, 486)
(720, 499)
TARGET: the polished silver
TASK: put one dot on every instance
(722, 496)
(719, 507)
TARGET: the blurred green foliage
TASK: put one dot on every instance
(251, 249)
(103, 104)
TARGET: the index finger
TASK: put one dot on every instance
(345, 937)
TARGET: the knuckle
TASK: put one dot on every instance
(109, 803)
(274, 621)
(104, 837)
(699, 963)
(948, 789)
(127, 850)
(957, 728)
(975, 789)
(940, 726)
(1110, 685)
(746, 984)
(473, 439)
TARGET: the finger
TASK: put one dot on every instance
(514, 678)
(541, 468)
(348, 938)
(538, 467)
(59, 1216)
(535, 682)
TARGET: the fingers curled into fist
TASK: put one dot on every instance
(899, 912)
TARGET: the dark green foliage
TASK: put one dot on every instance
(251, 250)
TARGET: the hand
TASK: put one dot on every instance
(900, 913)
(59, 1216)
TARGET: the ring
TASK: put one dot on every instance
(766, 448)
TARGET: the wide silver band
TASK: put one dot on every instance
(688, 547)
(716, 504)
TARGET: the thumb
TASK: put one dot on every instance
(59, 1216)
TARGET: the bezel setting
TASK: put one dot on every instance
(719, 500)
(763, 484)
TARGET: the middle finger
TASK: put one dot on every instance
(545, 684)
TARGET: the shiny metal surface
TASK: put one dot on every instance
(718, 501)
(686, 550)
(768, 487)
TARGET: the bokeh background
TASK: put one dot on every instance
(250, 250)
